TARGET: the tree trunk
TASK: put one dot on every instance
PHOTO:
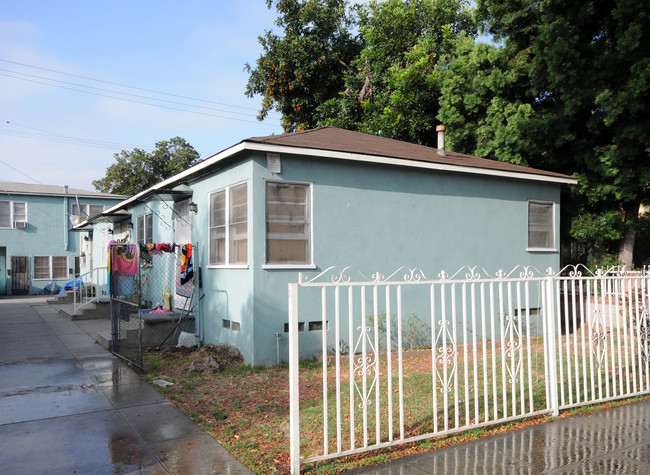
(626, 249)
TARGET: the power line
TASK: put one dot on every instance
(127, 86)
(119, 92)
(24, 174)
(140, 102)
(46, 135)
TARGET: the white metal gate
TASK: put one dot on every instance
(496, 348)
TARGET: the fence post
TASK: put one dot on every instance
(550, 343)
(294, 382)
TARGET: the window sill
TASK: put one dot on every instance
(224, 266)
(541, 249)
(288, 266)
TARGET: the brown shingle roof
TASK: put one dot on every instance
(346, 141)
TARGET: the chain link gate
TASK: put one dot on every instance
(152, 294)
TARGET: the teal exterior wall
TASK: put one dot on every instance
(47, 234)
(368, 216)
(379, 218)
(375, 218)
(229, 290)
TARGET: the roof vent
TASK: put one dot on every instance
(441, 139)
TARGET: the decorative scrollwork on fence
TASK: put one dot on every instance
(364, 366)
(336, 274)
(644, 333)
(445, 357)
(513, 345)
(599, 339)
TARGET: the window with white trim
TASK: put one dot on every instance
(50, 267)
(541, 229)
(85, 210)
(288, 223)
(13, 214)
(144, 228)
(229, 226)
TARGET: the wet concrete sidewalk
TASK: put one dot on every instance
(613, 441)
(69, 406)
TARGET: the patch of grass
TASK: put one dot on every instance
(218, 413)
(247, 408)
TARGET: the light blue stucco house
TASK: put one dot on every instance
(268, 208)
(36, 244)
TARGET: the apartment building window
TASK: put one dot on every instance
(288, 223)
(13, 214)
(229, 226)
(144, 229)
(50, 267)
(541, 229)
(86, 210)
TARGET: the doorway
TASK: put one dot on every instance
(20, 275)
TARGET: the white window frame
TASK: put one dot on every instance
(12, 214)
(227, 237)
(310, 236)
(144, 231)
(553, 246)
(51, 268)
(84, 209)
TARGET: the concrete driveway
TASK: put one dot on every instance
(69, 406)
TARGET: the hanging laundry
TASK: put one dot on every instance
(126, 285)
(144, 253)
(125, 259)
(187, 267)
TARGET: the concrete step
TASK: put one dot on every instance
(67, 297)
(104, 338)
(93, 311)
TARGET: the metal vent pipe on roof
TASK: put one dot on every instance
(441, 139)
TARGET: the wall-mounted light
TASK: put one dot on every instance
(110, 231)
(193, 207)
(130, 225)
(86, 238)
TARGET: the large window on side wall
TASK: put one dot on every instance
(229, 226)
(288, 224)
(541, 226)
(50, 267)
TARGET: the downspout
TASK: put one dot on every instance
(65, 219)
(278, 337)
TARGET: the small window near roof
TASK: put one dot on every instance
(540, 225)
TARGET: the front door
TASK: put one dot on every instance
(3, 270)
(20, 275)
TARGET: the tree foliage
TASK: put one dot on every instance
(566, 91)
(137, 170)
(393, 85)
(566, 87)
(303, 67)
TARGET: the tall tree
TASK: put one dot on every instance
(577, 85)
(137, 170)
(393, 86)
(303, 67)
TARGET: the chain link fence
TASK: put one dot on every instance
(152, 295)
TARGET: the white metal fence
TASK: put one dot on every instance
(405, 358)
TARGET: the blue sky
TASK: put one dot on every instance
(64, 107)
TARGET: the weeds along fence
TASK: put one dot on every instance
(405, 357)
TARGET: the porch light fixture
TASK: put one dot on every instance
(193, 207)
(130, 225)
(109, 230)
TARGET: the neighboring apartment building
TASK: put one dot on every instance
(36, 244)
